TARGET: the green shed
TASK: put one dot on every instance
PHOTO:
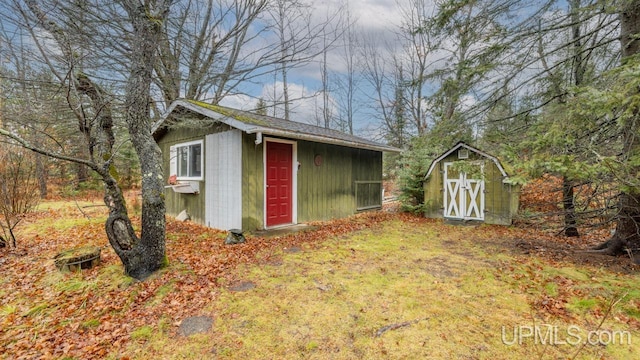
(466, 183)
(231, 169)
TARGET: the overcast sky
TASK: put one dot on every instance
(373, 19)
(376, 19)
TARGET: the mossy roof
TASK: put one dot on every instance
(252, 123)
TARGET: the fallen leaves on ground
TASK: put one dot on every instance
(100, 312)
(46, 314)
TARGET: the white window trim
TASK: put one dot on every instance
(173, 161)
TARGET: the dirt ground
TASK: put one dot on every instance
(578, 254)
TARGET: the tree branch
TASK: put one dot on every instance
(25, 144)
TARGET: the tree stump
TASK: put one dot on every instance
(84, 257)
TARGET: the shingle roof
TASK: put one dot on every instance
(259, 124)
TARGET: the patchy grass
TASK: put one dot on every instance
(37, 310)
(373, 286)
(161, 293)
(91, 323)
(8, 309)
(407, 291)
(142, 333)
(581, 306)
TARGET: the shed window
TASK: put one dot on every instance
(186, 160)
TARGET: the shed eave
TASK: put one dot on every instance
(319, 139)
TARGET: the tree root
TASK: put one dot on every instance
(603, 246)
(614, 247)
(594, 251)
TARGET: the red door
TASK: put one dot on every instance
(279, 183)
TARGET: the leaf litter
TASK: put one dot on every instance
(95, 313)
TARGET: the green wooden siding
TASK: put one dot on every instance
(252, 183)
(434, 193)
(324, 192)
(175, 202)
(328, 191)
(501, 200)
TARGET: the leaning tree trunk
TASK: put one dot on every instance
(627, 235)
(142, 255)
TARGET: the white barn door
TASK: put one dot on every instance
(463, 196)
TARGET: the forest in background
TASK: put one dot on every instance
(548, 86)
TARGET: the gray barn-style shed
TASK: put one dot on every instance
(466, 183)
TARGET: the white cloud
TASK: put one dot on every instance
(239, 101)
(306, 105)
(304, 102)
(467, 102)
(368, 14)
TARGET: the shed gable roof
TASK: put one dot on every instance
(251, 123)
(459, 145)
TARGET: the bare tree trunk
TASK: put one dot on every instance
(141, 256)
(282, 9)
(326, 112)
(577, 71)
(285, 91)
(568, 200)
(82, 174)
(41, 174)
(570, 224)
(350, 60)
(627, 235)
(41, 168)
